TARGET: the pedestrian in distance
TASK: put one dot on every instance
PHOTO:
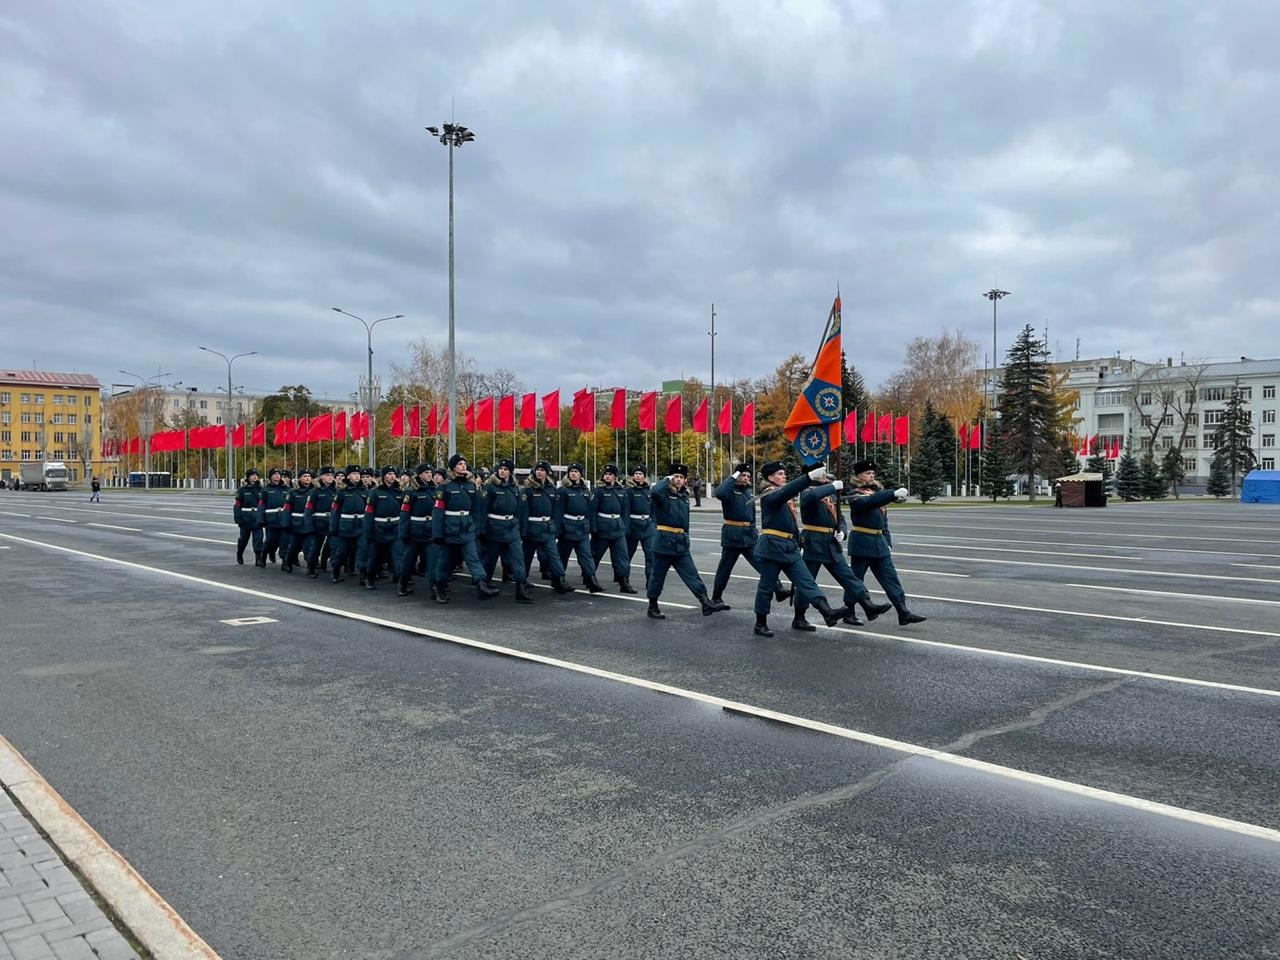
(297, 535)
(695, 487)
(540, 526)
(95, 486)
(416, 551)
(454, 528)
(499, 519)
(640, 530)
(778, 548)
(575, 526)
(610, 512)
(245, 511)
(870, 543)
(381, 526)
(669, 507)
(738, 532)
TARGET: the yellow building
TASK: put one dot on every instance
(49, 416)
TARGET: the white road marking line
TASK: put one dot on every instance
(150, 516)
(56, 519)
(846, 733)
(1077, 566)
(1066, 543)
(1140, 536)
(1168, 593)
(1265, 566)
(968, 546)
(10, 513)
(112, 526)
(183, 536)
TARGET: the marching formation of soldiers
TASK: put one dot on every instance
(429, 524)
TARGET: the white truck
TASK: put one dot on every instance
(44, 475)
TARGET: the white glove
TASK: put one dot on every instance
(818, 474)
(902, 493)
(839, 535)
(838, 484)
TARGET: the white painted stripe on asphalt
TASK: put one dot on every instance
(10, 513)
(898, 746)
(1139, 536)
(183, 536)
(1067, 543)
(56, 519)
(1265, 566)
(1094, 569)
(148, 516)
(112, 526)
(1168, 593)
(969, 546)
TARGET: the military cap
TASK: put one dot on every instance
(742, 468)
(771, 467)
(323, 470)
(305, 472)
(422, 468)
(286, 473)
(438, 472)
(610, 468)
(575, 466)
(352, 468)
(542, 465)
(456, 459)
(679, 469)
(639, 468)
(251, 472)
(862, 466)
(508, 463)
(367, 472)
(391, 470)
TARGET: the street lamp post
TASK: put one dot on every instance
(995, 295)
(452, 135)
(146, 421)
(231, 470)
(712, 475)
(371, 392)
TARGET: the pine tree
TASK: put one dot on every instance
(1129, 475)
(1235, 439)
(930, 467)
(1098, 463)
(1153, 482)
(1172, 470)
(1027, 408)
(995, 468)
(1219, 477)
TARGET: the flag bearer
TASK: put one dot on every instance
(669, 508)
(609, 522)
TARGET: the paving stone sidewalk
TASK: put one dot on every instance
(45, 913)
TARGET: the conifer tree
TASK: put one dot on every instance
(1235, 439)
(1129, 475)
(1219, 477)
(931, 466)
(995, 467)
(1172, 470)
(1098, 463)
(1153, 482)
(1027, 408)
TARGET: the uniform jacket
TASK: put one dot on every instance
(382, 515)
(776, 514)
(820, 518)
(639, 521)
(346, 516)
(607, 500)
(670, 508)
(295, 508)
(246, 506)
(576, 511)
(318, 506)
(739, 505)
(501, 510)
(541, 522)
(868, 511)
(271, 506)
(453, 515)
(415, 513)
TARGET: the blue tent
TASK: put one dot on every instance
(1261, 486)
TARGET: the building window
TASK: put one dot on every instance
(1246, 393)
(1268, 393)
(25, 416)
(1268, 439)
(5, 397)
(1268, 416)
(1146, 420)
(1110, 398)
(1146, 443)
(39, 416)
(1210, 441)
(4, 418)
(176, 403)
(1246, 416)
(71, 418)
(1166, 442)
(1212, 417)
(58, 438)
(1268, 463)
(57, 418)
(39, 399)
(57, 399)
(1192, 419)
(1213, 393)
(6, 436)
(218, 421)
(1144, 399)
(1167, 421)
(26, 398)
(204, 404)
(6, 454)
(26, 436)
(1189, 465)
(88, 418)
(71, 399)
(26, 454)
(88, 400)
(1189, 442)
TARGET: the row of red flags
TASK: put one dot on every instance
(1089, 446)
(324, 427)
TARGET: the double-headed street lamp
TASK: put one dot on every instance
(452, 135)
(231, 470)
(371, 394)
(146, 420)
(995, 295)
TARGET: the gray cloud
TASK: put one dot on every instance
(222, 173)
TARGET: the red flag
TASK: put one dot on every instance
(258, 436)
(444, 422)
(415, 421)
(851, 427)
(902, 430)
(618, 412)
(397, 421)
(649, 411)
(962, 432)
(1115, 451)
(300, 427)
(674, 418)
(320, 428)
(747, 428)
(884, 428)
(433, 420)
(237, 437)
(551, 410)
(975, 437)
(507, 413)
(469, 418)
(484, 415)
(340, 425)
(700, 417)
(1092, 443)
(724, 423)
(813, 427)
(359, 424)
(584, 411)
(869, 428)
(134, 445)
(280, 433)
(529, 411)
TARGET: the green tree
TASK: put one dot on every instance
(931, 467)
(1219, 477)
(1129, 475)
(1153, 482)
(1235, 439)
(1172, 470)
(1098, 463)
(995, 467)
(1027, 407)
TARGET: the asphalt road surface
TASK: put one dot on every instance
(1078, 755)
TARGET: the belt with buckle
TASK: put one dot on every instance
(639, 516)
(610, 516)
(349, 516)
(569, 516)
(386, 519)
(457, 513)
(817, 529)
(670, 529)
(539, 519)
(868, 530)
(778, 533)
(497, 516)
(737, 523)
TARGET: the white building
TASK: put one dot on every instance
(213, 408)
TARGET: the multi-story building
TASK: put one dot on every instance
(49, 416)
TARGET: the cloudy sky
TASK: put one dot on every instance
(223, 172)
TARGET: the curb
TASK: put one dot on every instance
(154, 923)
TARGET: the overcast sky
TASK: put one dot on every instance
(223, 172)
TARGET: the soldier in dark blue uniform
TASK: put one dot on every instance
(245, 511)
(824, 530)
(575, 526)
(669, 508)
(498, 520)
(778, 548)
(541, 525)
(738, 533)
(454, 529)
(297, 536)
(870, 544)
(346, 524)
(317, 510)
(271, 511)
(416, 504)
(368, 480)
(610, 518)
(381, 527)
(640, 530)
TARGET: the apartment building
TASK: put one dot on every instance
(49, 416)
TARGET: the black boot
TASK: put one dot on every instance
(362, 582)
(522, 593)
(486, 590)
(829, 615)
(369, 584)
(653, 612)
(561, 585)
(782, 594)
(624, 586)
(404, 587)
(874, 610)
(337, 576)
(852, 619)
(240, 557)
(286, 566)
(546, 576)
(259, 560)
(906, 617)
(798, 622)
(311, 571)
(593, 585)
(762, 626)
(439, 594)
(711, 606)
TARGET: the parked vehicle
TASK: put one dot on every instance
(44, 475)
